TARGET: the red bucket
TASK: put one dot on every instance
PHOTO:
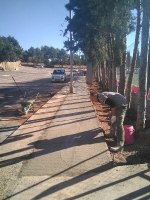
(129, 134)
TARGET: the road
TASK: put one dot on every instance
(30, 80)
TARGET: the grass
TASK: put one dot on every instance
(135, 80)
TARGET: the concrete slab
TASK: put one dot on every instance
(73, 143)
(120, 183)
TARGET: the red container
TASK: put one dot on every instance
(148, 94)
(135, 89)
(129, 134)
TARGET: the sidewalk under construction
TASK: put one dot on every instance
(60, 153)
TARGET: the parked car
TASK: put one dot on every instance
(59, 74)
(75, 70)
(39, 66)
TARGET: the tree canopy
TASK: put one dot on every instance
(95, 22)
(10, 50)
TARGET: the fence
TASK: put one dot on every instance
(134, 100)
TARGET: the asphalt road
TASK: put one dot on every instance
(28, 80)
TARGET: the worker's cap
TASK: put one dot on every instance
(102, 97)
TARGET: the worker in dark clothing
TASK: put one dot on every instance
(118, 105)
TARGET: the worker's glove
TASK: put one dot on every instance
(113, 119)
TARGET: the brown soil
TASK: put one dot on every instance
(137, 153)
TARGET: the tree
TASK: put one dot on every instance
(128, 63)
(148, 75)
(140, 124)
(138, 60)
(10, 50)
(52, 53)
(31, 54)
(98, 28)
(46, 52)
(63, 56)
(134, 58)
(76, 59)
(82, 59)
(25, 56)
(38, 55)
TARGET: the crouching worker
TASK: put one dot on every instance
(118, 105)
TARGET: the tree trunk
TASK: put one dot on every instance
(98, 78)
(114, 80)
(103, 76)
(148, 76)
(107, 76)
(89, 72)
(99, 74)
(141, 110)
(110, 66)
(114, 74)
(133, 63)
(122, 76)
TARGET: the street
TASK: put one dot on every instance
(30, 80)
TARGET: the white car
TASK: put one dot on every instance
(75, 70)
(59, 74)
(39, 66)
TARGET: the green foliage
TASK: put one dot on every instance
(10, 49)
(50, 56)
(38, 55)
(25, 56)
(94, 22)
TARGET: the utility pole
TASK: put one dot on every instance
(71, 70)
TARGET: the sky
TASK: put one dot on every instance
(36, 22)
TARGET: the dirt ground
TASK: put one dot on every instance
(137, 153)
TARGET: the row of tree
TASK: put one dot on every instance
(10, 50)
(51, 56)
(99, 29)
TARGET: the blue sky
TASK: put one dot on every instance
(36, 22)
(33, 22)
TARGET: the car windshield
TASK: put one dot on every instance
(58, 72)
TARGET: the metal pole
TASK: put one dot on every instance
(71, 70)
(17, 86)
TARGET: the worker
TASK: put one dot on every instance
(118, 105)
